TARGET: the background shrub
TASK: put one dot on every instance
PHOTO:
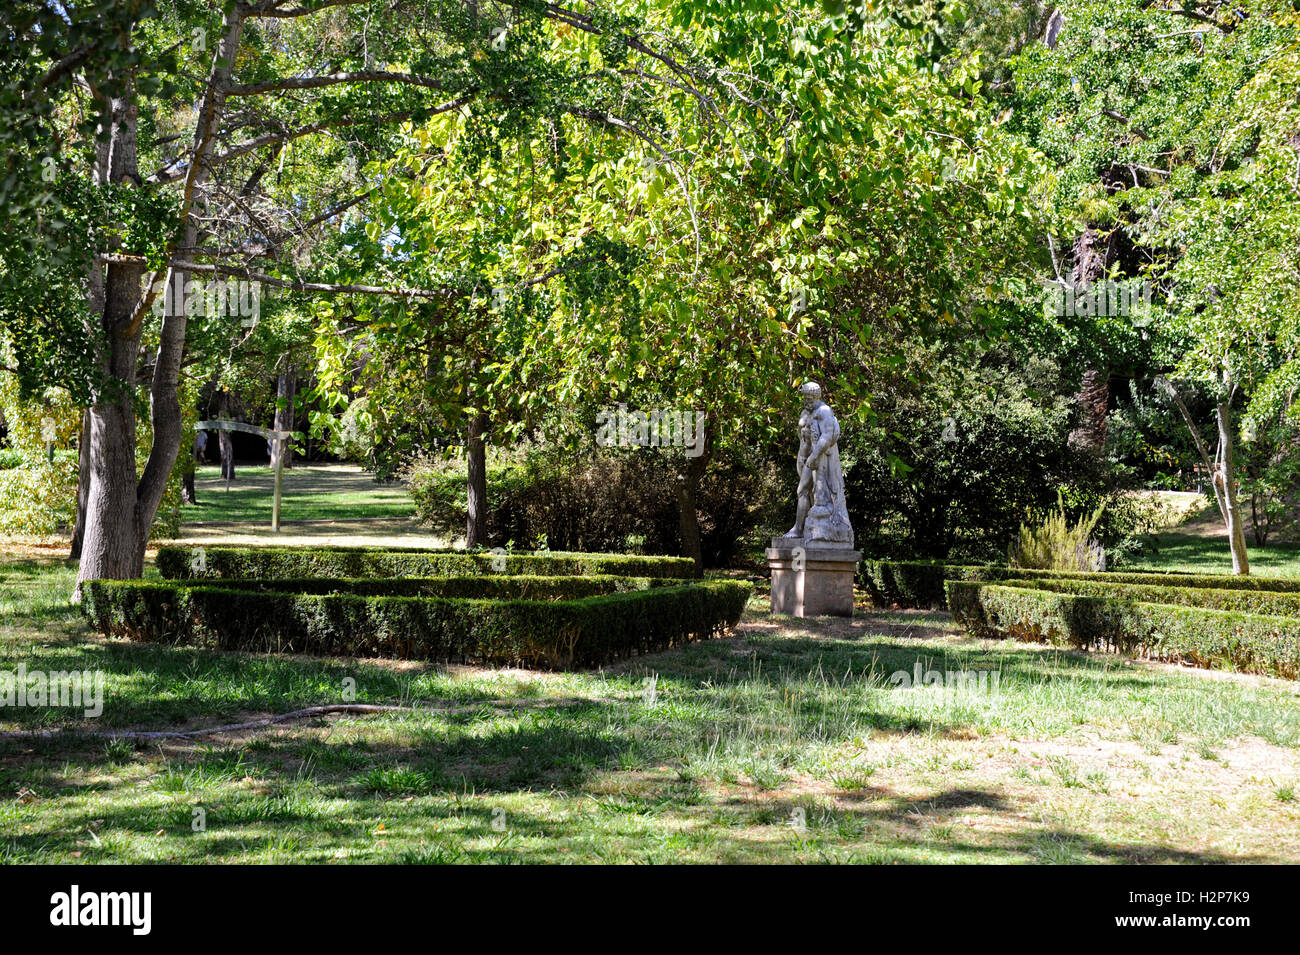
(1057, 544)
(622, 501)
(949, 471)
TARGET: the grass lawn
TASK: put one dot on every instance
(1204, 554)
(311, 492)
(784, 743)
(1196, 542)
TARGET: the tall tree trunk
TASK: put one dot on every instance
(688, 490)
(1223, 470)
(476, 484)
(120, 508)
(1225, 482)
(285, 389)
(1090, 260)
(109, 547)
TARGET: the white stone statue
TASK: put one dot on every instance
(822, 518)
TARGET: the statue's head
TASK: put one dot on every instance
(811, 393)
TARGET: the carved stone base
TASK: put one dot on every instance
(811, 580)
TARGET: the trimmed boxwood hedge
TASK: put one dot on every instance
(921, 583)
(178, 563)
(1268, 602)
(488, 587)
(582, 632)
(1251, 643)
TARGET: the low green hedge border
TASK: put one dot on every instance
(190, 562)
(921, 583)
(521, 587)
(1267, 602)
(1250, 643)
(559, 634)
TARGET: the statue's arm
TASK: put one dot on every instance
(805, 445)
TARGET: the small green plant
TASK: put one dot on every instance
(854, 781)
(1056, 544)
(395, 780)
(119, 751)
(1097, 781)
(1065, 771)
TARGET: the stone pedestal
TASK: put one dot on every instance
(811, 580)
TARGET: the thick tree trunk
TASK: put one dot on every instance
(476, 484)
(120, 508)
(1093, 401)
(1225, 482)
(688, 490)
(285, 389)
(688, 516)
(1090, 259)
(109, 545)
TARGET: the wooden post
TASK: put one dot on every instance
(282, 439)
(279, 478)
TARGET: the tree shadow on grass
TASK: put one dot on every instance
(660, 825)
(156, 687)
(758, 694)
(894, 828)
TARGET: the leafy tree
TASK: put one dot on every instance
(103, 93)
(1173, 131)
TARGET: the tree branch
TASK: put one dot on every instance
(297, 285)
(335, 79)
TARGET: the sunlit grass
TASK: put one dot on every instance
(1211, 555)
(789, 743)
(310, 493)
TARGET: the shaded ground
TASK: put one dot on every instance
(786, 742)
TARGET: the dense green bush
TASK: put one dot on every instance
(919, 583)
(1270, 478)
(905, 583)
(1209, 638)
(39, 498)
(622, 501)
(950, 470)
(582, 632)
(301, 562)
